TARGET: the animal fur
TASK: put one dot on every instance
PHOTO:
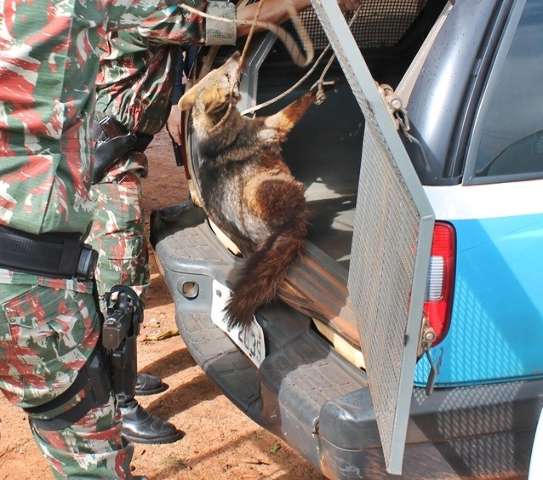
(247, 189)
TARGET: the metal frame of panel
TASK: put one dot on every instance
(381, 137)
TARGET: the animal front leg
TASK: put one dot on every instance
(284, 121)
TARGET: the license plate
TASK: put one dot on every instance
(250, 340)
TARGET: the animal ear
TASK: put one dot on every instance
(285, 120)
(188, 99)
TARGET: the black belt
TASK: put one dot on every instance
(57, 255)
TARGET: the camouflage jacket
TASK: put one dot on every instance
(48, 65)
(136, 78)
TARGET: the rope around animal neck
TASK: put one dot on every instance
(290, 44)
(319, 84)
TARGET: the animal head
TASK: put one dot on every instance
(219, 88)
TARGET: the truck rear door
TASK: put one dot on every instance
(391, 248)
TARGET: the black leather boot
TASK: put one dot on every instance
(149, 384)
(139, 426)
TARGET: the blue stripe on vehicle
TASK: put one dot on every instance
(496, 330)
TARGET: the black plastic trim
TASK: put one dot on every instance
(456, 157)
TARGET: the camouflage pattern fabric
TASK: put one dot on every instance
(48, 66)
(46, 336)
(92, 445)
(117, 231)
(134, 85)
(48, 327)
(136, 80)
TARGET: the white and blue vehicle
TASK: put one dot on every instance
(420, 340)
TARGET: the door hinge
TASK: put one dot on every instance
(396, 109)
(427, 338)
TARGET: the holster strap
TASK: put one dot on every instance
(94, 379)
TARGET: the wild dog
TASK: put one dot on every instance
(247, 189)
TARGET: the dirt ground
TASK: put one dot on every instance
(220, 443)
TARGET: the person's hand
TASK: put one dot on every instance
(349, 5)
(174, 125)
(275, 11)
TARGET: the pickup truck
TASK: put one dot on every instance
(408, 339)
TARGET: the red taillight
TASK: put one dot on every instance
(437, 307)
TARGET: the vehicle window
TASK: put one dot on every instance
(512, 122)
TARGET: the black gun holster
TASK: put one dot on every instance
(112, 367)
(113, 142)
(119, 333)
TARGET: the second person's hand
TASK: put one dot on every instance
(173, 125)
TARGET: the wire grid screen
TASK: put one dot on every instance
(386, 228)
(380, 24)
(391, 227)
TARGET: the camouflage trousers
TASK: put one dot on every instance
(48, 329)
(117, 231)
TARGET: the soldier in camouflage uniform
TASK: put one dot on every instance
(49, 323)
(134, 87)
(49, 327)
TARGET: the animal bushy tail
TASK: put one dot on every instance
(263, 272)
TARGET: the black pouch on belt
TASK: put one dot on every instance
(113, 142)
(57, 255)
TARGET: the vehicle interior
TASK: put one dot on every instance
(324, 150)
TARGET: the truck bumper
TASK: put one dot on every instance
(320, 404)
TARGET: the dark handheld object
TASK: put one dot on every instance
(119, 332)
(113, 142)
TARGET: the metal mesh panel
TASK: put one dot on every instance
(386, 227)
(390, 251)
(381, 23)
